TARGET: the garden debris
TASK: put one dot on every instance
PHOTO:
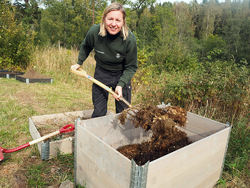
(163, 122)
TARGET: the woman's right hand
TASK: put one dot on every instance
(75, 67)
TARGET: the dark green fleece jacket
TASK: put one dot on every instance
(111, 52)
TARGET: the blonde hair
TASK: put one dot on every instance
(112, 7)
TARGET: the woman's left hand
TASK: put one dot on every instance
(118, 91)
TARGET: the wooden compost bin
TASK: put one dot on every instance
(50, 148)
(99, 165)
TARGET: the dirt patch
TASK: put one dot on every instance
(166, 138)
(32, 74)
(8, 168)
(25, 97)
(19, 179)
(29, 98)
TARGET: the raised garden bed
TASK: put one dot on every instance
(9, 74)
(32, 76)
(98, 161)
(45, 124)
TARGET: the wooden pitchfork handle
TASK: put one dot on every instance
(81, 72)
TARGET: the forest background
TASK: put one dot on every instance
(194, 55)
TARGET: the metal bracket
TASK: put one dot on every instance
(45, 150)
(138, 177)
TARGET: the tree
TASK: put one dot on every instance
(16, 41)
(184, 21)
(139, 5)
(235, 29)
(29, 14)
(67, 24)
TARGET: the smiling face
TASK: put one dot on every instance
(114, 22)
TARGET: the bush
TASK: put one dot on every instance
(15, 42)
(216, 90)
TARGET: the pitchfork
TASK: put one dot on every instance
(65, 129)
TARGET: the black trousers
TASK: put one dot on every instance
(100, 96)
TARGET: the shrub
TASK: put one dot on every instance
(217, 90)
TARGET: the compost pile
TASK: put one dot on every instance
(32, 74)
(166, 136)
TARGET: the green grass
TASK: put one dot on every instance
(237, 158)
(236, 166)
(12, 122)
(20, 101)
(51, 172)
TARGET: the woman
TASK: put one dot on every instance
(115, 55)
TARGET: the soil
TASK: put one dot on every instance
(55, 124)
(32, 74)
(166, 138)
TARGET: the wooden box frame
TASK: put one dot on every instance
(49, 149)
(98, 164)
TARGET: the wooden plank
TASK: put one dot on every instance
(202, 126)
(207, 182)
(192, 166)
(35, 134)
(63, 146)
(109, 129)
(91, 176)
(59, 116)
(98, 164)
(193, 137)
